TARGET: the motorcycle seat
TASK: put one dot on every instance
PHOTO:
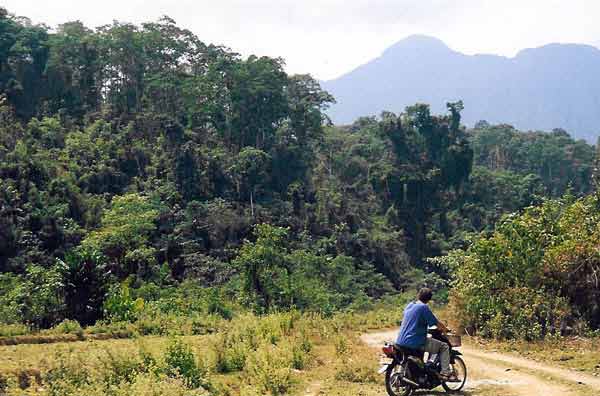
(410, 351)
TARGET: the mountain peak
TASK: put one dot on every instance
(418, 42)
(553, 86)
(561, 50)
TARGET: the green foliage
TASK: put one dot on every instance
(217, 305)
(275, 278)
(270, 371)
(341, 345)
(11, 330)
(140, 154)
(120, 306)
(85, 284)
(121, 368)
(534, 275)
(230, 355)
(66, 377)
(68, 326)
(557, 159)
(181, 361)
(32, 298)
(124, 233)
(119, 373)
(263, 267)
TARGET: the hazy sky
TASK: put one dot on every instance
(330, 37)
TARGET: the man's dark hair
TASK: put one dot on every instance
(424, 295)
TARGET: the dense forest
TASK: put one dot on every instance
(137, 161)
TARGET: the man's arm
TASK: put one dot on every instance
(442, 327)
(433, 321)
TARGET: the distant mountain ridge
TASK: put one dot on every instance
(553, 86)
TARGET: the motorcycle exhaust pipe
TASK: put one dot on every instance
(413, 383)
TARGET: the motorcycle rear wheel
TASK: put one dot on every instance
(393, 385)
(460, 369)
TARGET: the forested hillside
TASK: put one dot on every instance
(134, 159)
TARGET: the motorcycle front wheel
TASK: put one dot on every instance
(393, 382)
(460, 369)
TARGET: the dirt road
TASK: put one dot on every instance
(492, 373)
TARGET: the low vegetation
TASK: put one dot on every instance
(249, 355)
(536, 275)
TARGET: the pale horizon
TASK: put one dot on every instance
(328, 38)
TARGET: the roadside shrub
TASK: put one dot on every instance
(230, 355)
(535, 276)
(269, 370)
(67, 327)
(113, 328)
(67, 376)
(180, 361)
(300, 356)
(274, 277)
(341, 345)
(16, 329)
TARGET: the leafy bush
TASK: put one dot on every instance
(341, 345)
(11, 330)
(120, 306)
(68, 327)
(180, 361)
(119, 368)
(277, 278)
(230, 354)
(300, 354)
(534, 275)
(3, 385)
(217, 305)
(67, 376)
(269, 368)
(32, 298)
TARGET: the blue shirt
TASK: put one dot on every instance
(413, 330)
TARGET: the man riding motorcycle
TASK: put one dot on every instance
(413, 332)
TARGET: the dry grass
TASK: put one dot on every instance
(280, 354)
(274, 355)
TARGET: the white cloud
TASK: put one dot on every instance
(330, 37)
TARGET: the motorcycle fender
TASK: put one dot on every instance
(383, 368)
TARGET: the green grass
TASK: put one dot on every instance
(273, 355)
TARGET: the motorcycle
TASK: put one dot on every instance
(406, 370)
